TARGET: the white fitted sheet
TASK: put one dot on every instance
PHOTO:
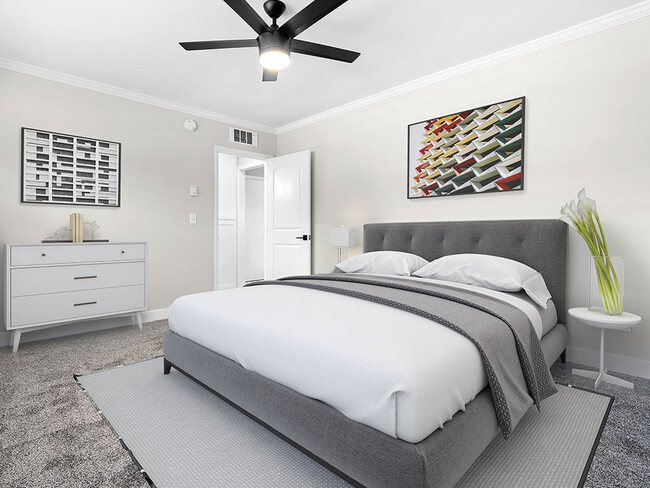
(394, 371)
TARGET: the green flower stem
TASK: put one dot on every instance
(585, 220)
(608, 285)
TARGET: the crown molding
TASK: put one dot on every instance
(52, 75)
(581, 30)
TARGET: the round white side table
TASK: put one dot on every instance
(603, 321)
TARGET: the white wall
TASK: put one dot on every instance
(159, 161)
(587, 104)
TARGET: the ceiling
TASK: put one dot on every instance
(133, 45)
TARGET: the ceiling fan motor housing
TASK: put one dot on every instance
(274, 41)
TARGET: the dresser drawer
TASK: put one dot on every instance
(54, 307)
(55, 279)
(75, 253)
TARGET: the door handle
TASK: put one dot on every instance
(304, 237)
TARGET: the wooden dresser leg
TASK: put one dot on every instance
(138, 317)
(167, 366)
(15, 339)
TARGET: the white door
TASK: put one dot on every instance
(288, 210)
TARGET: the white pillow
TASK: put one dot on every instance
(383, 262)
(491, 272)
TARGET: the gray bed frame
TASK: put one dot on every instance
(358, 453)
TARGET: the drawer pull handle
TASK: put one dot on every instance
(43, 254)
(122, 252)
(85, 303)
(84, 277)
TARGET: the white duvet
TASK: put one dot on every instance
(394, 371)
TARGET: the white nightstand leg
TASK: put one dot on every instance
(601, 376)
(15, 338)
(592, 375)
(602, 351)
(138, 317)
(608, 378)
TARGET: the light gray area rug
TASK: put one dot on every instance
(183, 435)
(552, 447)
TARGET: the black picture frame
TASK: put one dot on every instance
(486, 158)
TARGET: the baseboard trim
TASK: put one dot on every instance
(151, 315)
(613, 362)
(81, 327)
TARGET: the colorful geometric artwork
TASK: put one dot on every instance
(474, 151)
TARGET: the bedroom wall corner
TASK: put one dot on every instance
(587, 103)
(160, 160)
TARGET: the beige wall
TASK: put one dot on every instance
(587, 108)
(160, 159)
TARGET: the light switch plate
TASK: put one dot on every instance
(194, 191)
(192, 218)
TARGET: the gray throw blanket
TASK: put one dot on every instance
(510, 350)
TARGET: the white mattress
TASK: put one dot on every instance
(394, 371)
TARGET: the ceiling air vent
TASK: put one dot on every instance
(243, 137)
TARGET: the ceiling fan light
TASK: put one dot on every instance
(275, 59)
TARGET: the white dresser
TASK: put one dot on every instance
(52, 284)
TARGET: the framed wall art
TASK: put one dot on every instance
(474, 151)
(67, 169)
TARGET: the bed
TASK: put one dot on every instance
(359, 453)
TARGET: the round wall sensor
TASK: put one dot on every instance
(189, 124)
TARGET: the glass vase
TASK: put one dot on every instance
(606, 281)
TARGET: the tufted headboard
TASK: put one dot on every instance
(540, 244)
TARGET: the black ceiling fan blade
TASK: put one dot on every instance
(322, 51)
(199, 45)
(269, 75)
(246, 12)
(309, 15)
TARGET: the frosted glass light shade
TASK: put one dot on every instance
(342, 236)
(275, 60)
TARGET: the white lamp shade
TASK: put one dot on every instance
(342, 236)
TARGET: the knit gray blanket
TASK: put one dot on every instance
(504, 336)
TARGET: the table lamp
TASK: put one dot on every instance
(341, 237)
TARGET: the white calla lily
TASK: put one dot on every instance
(583, 210)
(582, 194)
(582, 216)
(591, 204)
(568, 221)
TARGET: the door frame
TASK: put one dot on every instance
(233, 152)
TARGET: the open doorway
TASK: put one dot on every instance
(239, 211)
(262, 217)
(251, 226)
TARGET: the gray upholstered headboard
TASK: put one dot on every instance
(540, 244)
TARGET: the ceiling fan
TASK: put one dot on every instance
(277, 43)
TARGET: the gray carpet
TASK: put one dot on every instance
(50, 432)
(183, 435)
(623, 455)
(52, 436)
